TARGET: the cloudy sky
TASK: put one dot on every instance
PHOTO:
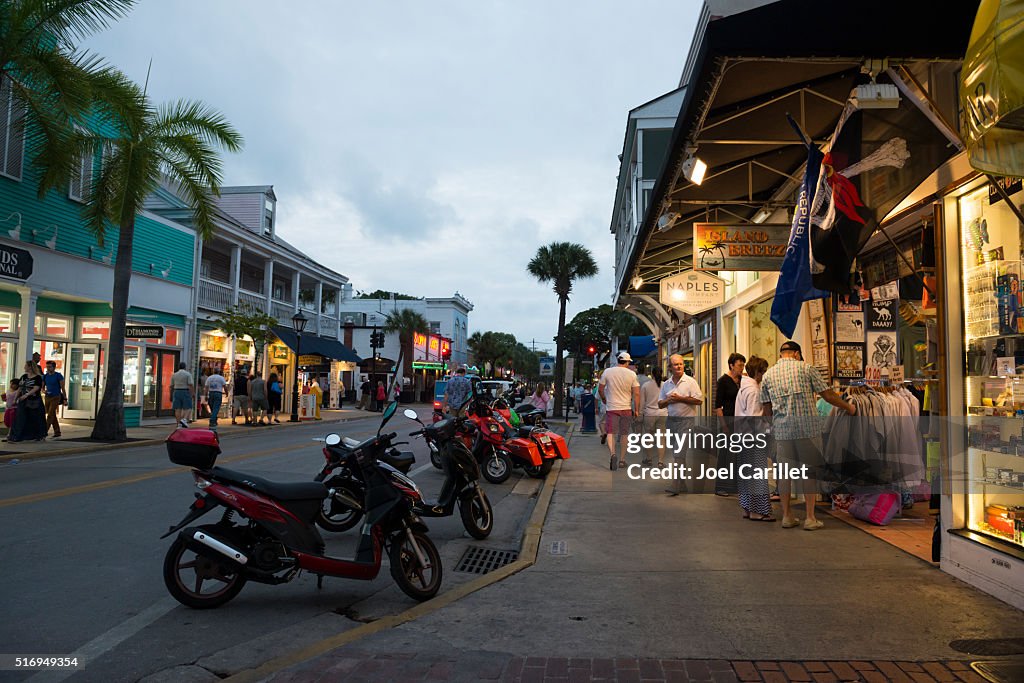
(424, 147)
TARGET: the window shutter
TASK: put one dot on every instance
(12, 137)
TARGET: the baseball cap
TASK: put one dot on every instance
(790, 346)
(624, 357)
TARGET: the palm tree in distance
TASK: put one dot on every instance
(407, 323)
(561, 264)
(176, 143)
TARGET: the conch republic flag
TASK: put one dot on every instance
(794, 286)
(876, 158)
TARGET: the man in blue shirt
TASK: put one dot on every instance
(54, 383)
(458, 391)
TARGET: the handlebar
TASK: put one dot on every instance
(417, 433)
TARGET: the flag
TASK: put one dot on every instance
(795, 286)
(877, 157)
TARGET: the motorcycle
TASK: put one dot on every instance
(276, 537)
(499, 447)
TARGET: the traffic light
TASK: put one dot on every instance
(446, 353)
(591, 350)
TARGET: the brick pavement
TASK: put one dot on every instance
(351, 664)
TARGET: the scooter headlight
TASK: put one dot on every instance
(493, 427)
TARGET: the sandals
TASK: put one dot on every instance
(763, 518)
(622, 463)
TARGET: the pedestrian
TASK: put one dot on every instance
(382, 396)
(258, 403)
(10, 398)
(726, 389)
(53, 383)
(680, 395)
(341, 394)
(600, 413)
(654, 416)
(570, 396)
(755, 499)
(36, 358)
(215, 384)
(183, 391)
(318, 397)
(240, 396)
(577, 396)
(787, 393)
(364, 394)
(274, 394)
(30, 420)
(457, 393)
(541, 397)
(397, 393)
(620, 391)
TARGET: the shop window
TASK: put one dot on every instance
(243, 347)
(52, 326)
(94, 329)
(173, 337)
(131, 375)
(12, 131)
(8, 321)
(8, 365)
(212, 342)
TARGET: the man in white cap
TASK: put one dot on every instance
(620, 391)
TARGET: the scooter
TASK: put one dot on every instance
(208, 565)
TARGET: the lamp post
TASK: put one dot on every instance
(298, 324)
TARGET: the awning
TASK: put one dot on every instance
(311, 343)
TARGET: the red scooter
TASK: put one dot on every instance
(276, 538)
(499, 447)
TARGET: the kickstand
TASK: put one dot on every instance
(319, 581)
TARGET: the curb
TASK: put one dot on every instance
(104, 446)
(528, 550)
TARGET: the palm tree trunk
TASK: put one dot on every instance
(110, 419)
(558, 357)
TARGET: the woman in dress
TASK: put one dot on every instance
(30, 421)
(754, 496)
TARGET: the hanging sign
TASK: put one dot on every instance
(547, 367)
(896, 374)
(15, 263)
(311, 359)
(692, 292)
(144, 331)
(739, 246)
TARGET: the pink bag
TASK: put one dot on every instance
(877, 508)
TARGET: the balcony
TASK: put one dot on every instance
(252, 299)
(328, 327)
(282, 311)
(214, 296)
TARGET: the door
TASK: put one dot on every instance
(82, 381)
(156, 386)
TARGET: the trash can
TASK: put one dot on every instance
(587, 409)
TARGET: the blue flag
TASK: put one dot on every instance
(795, 286)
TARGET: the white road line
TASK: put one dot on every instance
(99, 646)
(419, 469)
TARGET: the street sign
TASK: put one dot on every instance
(692, 291)
(739, 246)
(14, 262)
(569, 369)
(547, 366)
(144, 331)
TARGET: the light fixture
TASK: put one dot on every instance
(637, 282)
(694, 168)
(876, 96)
(762, 215)
(299, 322)
(167, 271)
(667, 220)
(14, 232)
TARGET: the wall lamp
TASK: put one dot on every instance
(14, 232)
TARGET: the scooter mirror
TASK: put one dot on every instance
(411, 414)
(332, 440)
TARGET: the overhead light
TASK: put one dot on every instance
(762, 215)
(876, 96)
(694, 169)
(667, 220)
(637, 282)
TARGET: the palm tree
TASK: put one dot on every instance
(407, 323)
(561, 263)
(54, 86)
(177, 143)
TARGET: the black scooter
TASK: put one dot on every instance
(461, 482)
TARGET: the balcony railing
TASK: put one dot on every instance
(214, 296)
(328, 327)
(282, 311)
(257, 302)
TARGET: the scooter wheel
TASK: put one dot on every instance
(335, 516)
(435, 458)
(539, 471)
(417, 581)
(198, 580)
(477, 516)
(497, 467)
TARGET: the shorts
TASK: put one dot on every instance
(181, 399)
(618, 421)
(798, 452)
(261, 404)
(240, 402)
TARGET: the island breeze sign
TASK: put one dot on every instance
(692, 292)
(739, 246)
(15, 263)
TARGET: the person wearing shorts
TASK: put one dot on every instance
(787, 395)
(620, 391)
(183, 391)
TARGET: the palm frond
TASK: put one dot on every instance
(196, 119)
(71, 20)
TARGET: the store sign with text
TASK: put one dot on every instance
(144, 331)
(739, 246)
(692, 292)
(15, 263)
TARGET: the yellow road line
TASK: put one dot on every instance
(97, 486)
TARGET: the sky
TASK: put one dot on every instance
(424, 147)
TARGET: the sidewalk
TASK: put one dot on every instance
(75, 434)
(632, 585)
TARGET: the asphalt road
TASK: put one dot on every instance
(82, 557)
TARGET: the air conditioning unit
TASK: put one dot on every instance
(876, 96)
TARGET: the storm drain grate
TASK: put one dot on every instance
(483, 560)
(989, 647)
(1003, 671)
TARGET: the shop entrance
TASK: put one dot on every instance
(82, 381)
(156, 392)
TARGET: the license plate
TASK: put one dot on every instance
(545, 439)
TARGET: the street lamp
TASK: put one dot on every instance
(298, 324)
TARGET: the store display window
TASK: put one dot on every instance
(8, 364)
(8, 322)
(131, 375)
(993, 316)
(52, 326)
(94, 329)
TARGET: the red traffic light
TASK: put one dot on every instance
(591, 350)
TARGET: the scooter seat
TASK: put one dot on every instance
(349, 442)
(303, 490)
(526, 430)
(400, 460)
